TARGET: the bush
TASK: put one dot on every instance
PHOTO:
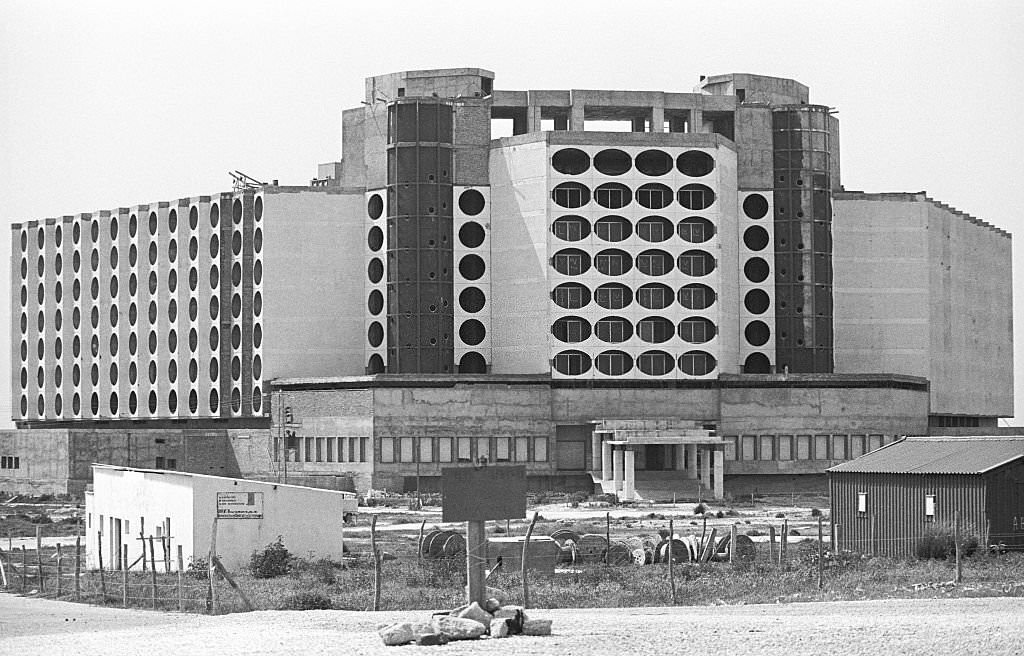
(780, 515)
(754, 532)
(700, 509)
(198, 569)
(938, 541)
(719, 514)
(40, 519)
(321, 569)
(577, 498)
(306, 601)
(274, 560)
(815, 512)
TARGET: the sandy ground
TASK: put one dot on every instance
(958, 626)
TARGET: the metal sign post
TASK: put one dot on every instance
(475, 495)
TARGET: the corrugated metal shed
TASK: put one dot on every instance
(938, 455)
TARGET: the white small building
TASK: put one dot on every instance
(178, 508)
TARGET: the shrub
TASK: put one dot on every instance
(306, 601)
(754, 532)
(700, 509)
(321, 569)
(719, 514)
(577, 498)
(938, 541)
(780, 515)
(793, 531)
(815, 512)
(274, 560)
(40, 519)
(198, 569)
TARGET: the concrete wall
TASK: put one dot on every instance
(309, 520)
(43, 464)
(313, 265)
(924, 290)
(970, 315)
(520, 317)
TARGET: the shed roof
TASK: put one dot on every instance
(938, 455)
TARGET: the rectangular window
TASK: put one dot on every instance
(821, 447)
(693, 297)
(653, 330)
(874, 442)
(652, 231)
(319, 449)
(502, 446)
(522, 449)
(693, 265)
(694, 330)
(653, 264)
(405, 449)
(571, 264)
(569, 229)
(172, 463)
(611, 330)
(465, 446)
(444, 449)
(308, 446)
(731, 452)
(929, 507)
(387, 449)
(483, 448)
(612, 298)
(540, 449)
(767, 447)
(574, 330)
(748, 447)
(342, 448)
(803, 447)
(426, 449)
(785, 447)
(568, 297)
(159, 462)
(654, 297)
(611, 264)
(569, 196)
(330, 448)
(839, 447)
(856, 446)
(364, 447)
(862, 502)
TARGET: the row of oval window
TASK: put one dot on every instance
(651, 296)
(471, 203)
(618, 363)
(615, 195)
(471, 362)
(614, 330)
(612, 161)
(172, 313)
(172, 403)
(471, 332)
(616, 262)
(471, 235)
(614, 228)
(172, 225)
(172, 342)
(172, 372)
(172, 284)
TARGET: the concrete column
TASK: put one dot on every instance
(658, 118)
(719, 487)
(679, 450)
(606, 461)
(595, 452)
(629, 486)
(691, 461)
(697, 120)
(705, 467)
(617, 459)
(576, 115)
(533, 118)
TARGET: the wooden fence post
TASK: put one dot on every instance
(232, 583)
(671, 560)
(732, 543)
(783, 543)
(78, 568)
(419, 542)
(771, 544)
(376, 563)
(836, 536)
(60, 571)
(525, 556)
(607, 535)
(3, 571)
(39, 557)
(181, 576)
(124, 577)
(211, 593)
(821, 552)
(956, 543)
(103, 578)
(152, 561)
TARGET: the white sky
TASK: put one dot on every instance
(107, 104)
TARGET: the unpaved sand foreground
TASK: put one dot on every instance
(956, 626)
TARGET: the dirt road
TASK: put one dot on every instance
(958, 626)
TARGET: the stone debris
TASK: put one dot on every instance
(470, 622)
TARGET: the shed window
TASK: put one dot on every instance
(406, 449)
(426, 450)
(387, 449)
(929, 507)
(862, 502)
(540, 449)
(464, 445)
(444, 449)
(522, 449)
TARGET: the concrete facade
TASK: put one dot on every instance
(127, 503)
(440, 295)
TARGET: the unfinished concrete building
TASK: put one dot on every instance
(640, 292)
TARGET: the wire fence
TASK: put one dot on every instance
(628, 561)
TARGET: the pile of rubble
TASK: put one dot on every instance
(470, 622)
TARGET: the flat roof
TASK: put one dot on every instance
(172, 472)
